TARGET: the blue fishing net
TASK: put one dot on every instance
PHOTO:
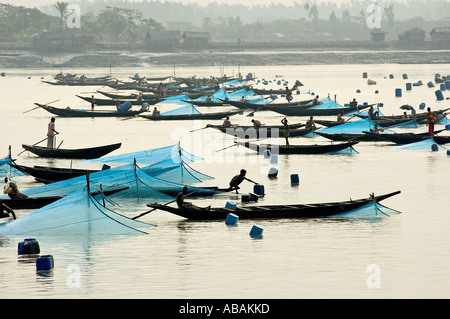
(76, 214)
(371, 210)
(425, 145)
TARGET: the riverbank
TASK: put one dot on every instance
(24, 59)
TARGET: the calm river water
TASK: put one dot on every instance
(409, 253)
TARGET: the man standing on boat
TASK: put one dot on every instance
(238, 179)
(431, 119)
(51, 134)
(288, 95)
(286, 130)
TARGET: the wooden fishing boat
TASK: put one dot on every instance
(311, 111)
(68, 112)
(205, 103)
(360, 137)
(47, 175)
(110, 102)
(267, 106)
(130, 96)
(298, 149)
(79, 153)
(202, 116)
(275, 211)
(407, 138)
(38, 202)
(251, 132)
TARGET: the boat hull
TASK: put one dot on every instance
(81, 153)
(274, 211)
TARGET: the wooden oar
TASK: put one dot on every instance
(153, 209)
(38, 143)
(40, 106)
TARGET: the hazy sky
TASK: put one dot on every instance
(37, 3)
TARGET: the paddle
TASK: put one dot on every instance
(153, 209)
(40, 106)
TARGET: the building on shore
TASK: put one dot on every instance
(161, 40)
(377, 35)
(414, 37)
(440, 37)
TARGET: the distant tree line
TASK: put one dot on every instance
(117, 20)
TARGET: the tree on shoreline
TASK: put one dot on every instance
(61, 7)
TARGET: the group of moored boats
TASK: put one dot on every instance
(194, 89)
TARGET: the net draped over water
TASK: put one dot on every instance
(354, 127)
(7, 170)
(170, 174)
(76, 214)
(425, 145)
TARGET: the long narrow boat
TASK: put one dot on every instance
(298, 149)
(359, 137)
(47, 175)
(407, 138)
(38, 202)
(87, 113)
(311, 111)
(202, 116)
(245, 132)
(274, 211)
(260, 107)
(79, 153)
(110, 101)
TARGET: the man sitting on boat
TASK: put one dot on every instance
(12, 190)
(238, 179)
(310, 125)
(155, 112)
(376, 129)
(226, 123)
(186, 205)
(256, 123)
(6, 212)
(316, 101)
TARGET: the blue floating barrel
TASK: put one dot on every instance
(380, 104)
(430, 84)
(274, 159)
(358, 91)
(408, 86)
(245, 198)
(256, 231)
(253, 197)
(447, 85)
(448, 152)
(258, 189)
(376, 92)
(124, 107)
(45, 262)
(398, 92)
(29, 246)
(364, 75)
(434, 148)
(231, 219)
(391, 76)
(422, 105)
(230, 204)
(442, 87)
(447, 127)
(295, 179)
(439, 95)
(266, 154)
(405, 76)
(3, 74)
(273, 172)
